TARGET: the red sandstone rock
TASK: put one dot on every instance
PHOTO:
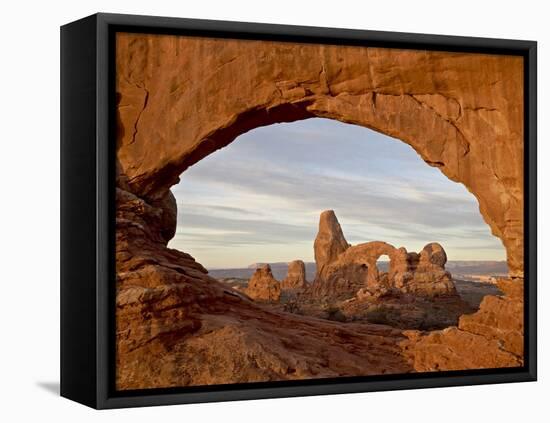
(455, 349)
(462, 113)
(330, 241)
(296, 276)
(489, 338)
(263, 286)
(354, 270)
(428, 276)
(364, 255)
(339, 282)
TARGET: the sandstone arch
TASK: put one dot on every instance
(181, 98)
(368, 253)
(344, 270)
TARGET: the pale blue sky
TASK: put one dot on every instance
(259, 199)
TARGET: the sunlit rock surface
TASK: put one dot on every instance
(179, 99)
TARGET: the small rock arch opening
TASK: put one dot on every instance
(383, 267)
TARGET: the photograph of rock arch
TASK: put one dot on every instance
(295, 211)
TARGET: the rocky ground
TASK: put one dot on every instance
(400, 311)
(474, 292)
(404, 312)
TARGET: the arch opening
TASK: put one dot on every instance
(264, 194)
(443, 147)
(383, 267)
(355, 147)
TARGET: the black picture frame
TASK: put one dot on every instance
(87, 210)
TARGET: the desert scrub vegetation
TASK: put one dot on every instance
(380, 314)
(334, 313)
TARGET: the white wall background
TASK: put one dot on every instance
(29, 235)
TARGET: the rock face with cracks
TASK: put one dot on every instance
(181, 98)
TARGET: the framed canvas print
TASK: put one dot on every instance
(256, 211)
